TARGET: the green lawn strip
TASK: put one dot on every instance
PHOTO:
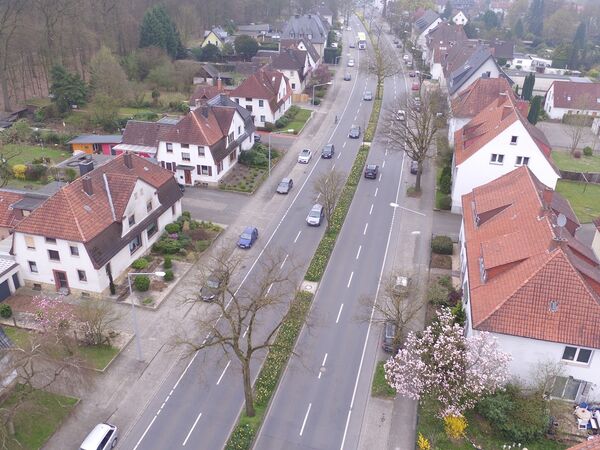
(299, 120)
(128, 112)
(380, 387)
(372, 126)
(431, 426)
(321, 257)
(245, 431)
(24, 154)
(98, 356)
(37, 421)
(565, 161)
(583, 198)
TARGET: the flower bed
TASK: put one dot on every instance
(186, 237)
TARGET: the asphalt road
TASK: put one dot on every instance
(200, 399)
(322, 397)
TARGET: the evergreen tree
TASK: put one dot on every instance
(528, 86)
(519, 30)
(67, 89)
(245, 46)
(535, 17)
(578, 48)
(158, 30)
(534, 109)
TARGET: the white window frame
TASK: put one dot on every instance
(576, 355)
(497, 158)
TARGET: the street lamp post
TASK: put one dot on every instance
(138, 344)
(329, 83)
(291, 130)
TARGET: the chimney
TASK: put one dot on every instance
(128, 160)
(86, 167)
(87, 185)
(219, 84)
(547, 195)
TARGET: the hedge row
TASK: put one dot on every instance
(321, 257)
(245, 431)
(372, 126)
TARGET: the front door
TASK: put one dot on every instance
(60, 280)
(188, 176)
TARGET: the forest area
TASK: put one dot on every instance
(39, 35)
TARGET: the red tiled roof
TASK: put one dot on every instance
(519, 260)
(573, 95)
(478, 95)
(263, 84)
(204, 92)
(443, 37)
(593, 444)
(198, 127)
(73, 215)
(492, 120)
(7, 213)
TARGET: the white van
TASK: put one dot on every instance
(102, 437)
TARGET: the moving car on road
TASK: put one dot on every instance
(315, 216)
(304, 156)
(352, 45)
(406, 57)
(328, 151)
(350, 62)
(368, 96)
(285, 186)
(214, 285)
(354, 132)
(371, 171)
(347, 77)
(248, 237)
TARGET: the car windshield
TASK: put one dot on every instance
(214, 284)
(371, 167)
(314, 213)
(283, 184)
(305, 152)
(247, 235)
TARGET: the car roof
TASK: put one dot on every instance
(371, 166)
(249, 229)
(317, 206)
(304, 150)
(286, 180)
(96, 435)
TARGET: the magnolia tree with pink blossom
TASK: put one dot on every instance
(54, 316)
(442, 364)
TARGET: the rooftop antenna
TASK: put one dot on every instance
(561, 221)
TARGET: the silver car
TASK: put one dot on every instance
(315, 216)
(304, 156)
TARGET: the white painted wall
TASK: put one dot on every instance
(478, 170)
(460, 19)
(455, 124)
(261, 111)
(558, 113)
(295, 83)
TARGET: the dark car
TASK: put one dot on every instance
(371, 171)
(411, 74)
(328, 151)
(354, 132)
(248, 237)
(215, 285)
(181, 187)
(347, 77)
(389, 336)
(285, 186)
(257, 138)
(414, 167)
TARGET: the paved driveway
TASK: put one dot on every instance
(558, 136)
(213, 205)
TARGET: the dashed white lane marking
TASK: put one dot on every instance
(284, 260)
(349, 281)
(297, 236)
(322, 366)
(344, 144)
(192, 429)
(358, 252)
(371, 210)
(365, 230)
(340, 311)
(376, 191)
(383, 164)
(305, 418)
(223, 373)
(339, 154)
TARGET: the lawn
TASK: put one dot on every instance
(584, 198)
(24, 154)
(97, 356)
(129, 112)
(36, 422)
(478, 430)
(380, 387)
(565, 161)
(299, 120)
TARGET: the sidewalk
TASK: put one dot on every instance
(120, 395)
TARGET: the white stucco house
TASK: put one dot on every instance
(495, 142)
(266, 94)
(295, 65)
(460, 18)
(199, 148)
(92, 229)
(531, 284)
(570, 97)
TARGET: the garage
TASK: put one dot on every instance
(4, 290)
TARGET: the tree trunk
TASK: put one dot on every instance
(4, 87)
(249, 398)
(418, 178)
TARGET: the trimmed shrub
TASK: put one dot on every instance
(167, 246)
(445, 184)
(316, 101)
(455, 426)
(169, 275)
(19, 171)
(139, 264)
(142, 283)
(587, 151)
(168, 263)
(172, 228)
(269, 126)
(282, 122)
(5, 311)
(576, 154)
(442, 245)
(445, 203)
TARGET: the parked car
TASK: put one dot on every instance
(411, 74)
(256, 137)
(214, 285)
(248, 237)
(181, 187)
(347, 77)
(389, 335)
(304, 156)
(328, 151)
(350, 62)
(396, 41)
(316, 215)
(416, 86)
(352, 45)
(371, 171)
(368, 96)
(414, 167)
(406, 57)
(285, 186)
(409, 64)
(102, 437)
(354, 132)
(401, 115)
(399, 45)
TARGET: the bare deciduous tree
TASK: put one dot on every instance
(245, 320)
(415, 134)
(96, 318)
(575, 129)
(10, 15)
(397, 304)
(383, 64)
(328, 187)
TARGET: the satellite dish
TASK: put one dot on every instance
(561, 220)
